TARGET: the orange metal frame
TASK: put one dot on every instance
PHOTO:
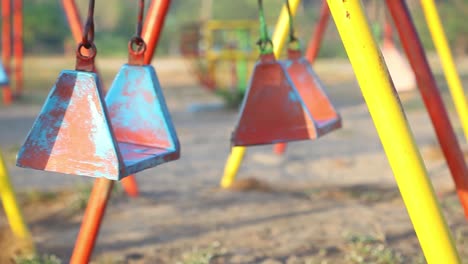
(102, 188)
(6, 48)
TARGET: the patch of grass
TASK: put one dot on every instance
(368, 249)
(82, 193)
(35, 197)
(80, 198)
(203, 255)
(45, 259)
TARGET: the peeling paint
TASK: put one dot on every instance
(284, 102)
(76, 134)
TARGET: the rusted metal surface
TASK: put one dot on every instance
(74, 21)
(140, 119)
(274, 110)
(310, 88)
(136, 51)
(72, 133)
(313, 49)
(86, 62)
(431, 96)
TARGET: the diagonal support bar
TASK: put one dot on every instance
(448, 65)
(394, 132)
(427, 86)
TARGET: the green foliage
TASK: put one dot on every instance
(46, 29)
(367, 249)
(44, 26)
(45, 259)
(202, 255)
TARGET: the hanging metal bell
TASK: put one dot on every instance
(284, 102)
(140, 118)
(311, 90)
(72, 133)
(3, 76)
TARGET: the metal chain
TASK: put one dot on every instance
(137, 45)
(86, 62)
(264, 40)
(292, 36)
(88, 34)
(140, 18)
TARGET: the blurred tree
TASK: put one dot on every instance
(44, 26)
(46, 29)
(453, 13)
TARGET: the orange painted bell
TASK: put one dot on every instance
(311, 91)
(400, 71)
(284, 102)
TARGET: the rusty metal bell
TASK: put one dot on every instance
(140, 118)
(284, 102)
(311, 91)
(74, 132)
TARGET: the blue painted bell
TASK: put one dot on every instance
(3, 76)
(139, 115)
(74, 134)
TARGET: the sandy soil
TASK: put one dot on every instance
(333, 200)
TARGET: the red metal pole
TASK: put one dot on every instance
(312, 52)
(432, 98)
(314, 44)
(92, 221)
(18, 45)
(6, 48)
(153, 26)
(102, 187)
(74, 20)
(130, 186)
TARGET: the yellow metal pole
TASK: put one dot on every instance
(10, 204)
(448, 65)
(282, 27)
(232, 166)
(279, 38)
(394, 132)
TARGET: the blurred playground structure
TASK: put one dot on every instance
(283, 101)
(221, 55)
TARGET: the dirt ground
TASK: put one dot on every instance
(333, 200)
